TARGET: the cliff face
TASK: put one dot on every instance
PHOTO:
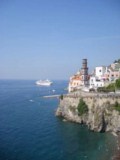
(101, 115)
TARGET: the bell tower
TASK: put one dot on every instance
(84, 72)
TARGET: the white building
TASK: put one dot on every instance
(100, 71)
(95, 83)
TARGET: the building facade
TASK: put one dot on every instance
(104, 75)
(99, 72)
(95, 83)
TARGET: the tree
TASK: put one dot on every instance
(61, 96)
(117, 83)
(117, 106)
(82, 107)
(117, 61)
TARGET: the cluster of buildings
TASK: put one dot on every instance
(101, 76)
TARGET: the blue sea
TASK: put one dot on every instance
(29, 129)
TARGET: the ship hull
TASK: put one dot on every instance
(43, 83)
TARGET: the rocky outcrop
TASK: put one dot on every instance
(101, 115)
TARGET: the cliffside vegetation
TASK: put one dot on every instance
(117, 106)
(111, 87)
(117, 83)
(61, 96)
(82, 107)
(117, 61)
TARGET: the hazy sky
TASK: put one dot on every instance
(49, 38)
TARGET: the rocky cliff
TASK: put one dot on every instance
(101, 115)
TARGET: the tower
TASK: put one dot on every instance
(84, 72)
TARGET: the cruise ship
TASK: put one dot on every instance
(44, 82)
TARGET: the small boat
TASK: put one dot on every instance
(44, 82)
(53, 90)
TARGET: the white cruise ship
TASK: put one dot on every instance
(44, 82)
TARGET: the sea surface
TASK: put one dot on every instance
(29, 129)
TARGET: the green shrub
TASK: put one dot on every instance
(117, 83)
(82, 107)
(61, 96)
(117, 106)
(102, 89)
(107, 89)
(111, 87)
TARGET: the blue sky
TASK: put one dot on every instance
(49, 38)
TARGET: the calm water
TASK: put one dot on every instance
(29, 129)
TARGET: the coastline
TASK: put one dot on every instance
(101, 117)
